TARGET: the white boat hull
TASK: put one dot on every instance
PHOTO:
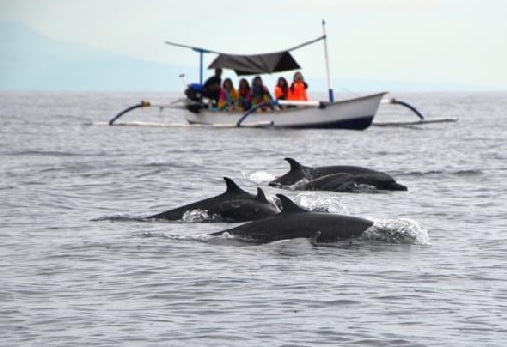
(356, 113)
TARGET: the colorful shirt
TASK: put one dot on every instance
(260, 95)
(245, 98)
(228, 98)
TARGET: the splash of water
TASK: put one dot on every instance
(199, 216)
(401, 230)
(322, 203)
(261, 177)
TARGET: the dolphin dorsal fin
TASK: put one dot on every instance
(232, 187)
(289, 206)
(295, 166)
(261, 197)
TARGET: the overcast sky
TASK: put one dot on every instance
(453, 42)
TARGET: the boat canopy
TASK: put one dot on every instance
(254, 64)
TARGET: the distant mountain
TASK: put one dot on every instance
(30, 61)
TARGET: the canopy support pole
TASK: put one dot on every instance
(331, 94)
(201, 62)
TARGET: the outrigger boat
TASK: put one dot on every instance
(354, 113)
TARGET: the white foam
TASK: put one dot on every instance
(261, 177)
(403, 230)
(322, 203)
(199, 216)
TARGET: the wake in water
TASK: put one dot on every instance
(205, 238)
(463, 172)
(120, 218)
(190, 216)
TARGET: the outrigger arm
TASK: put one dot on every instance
(407, 105)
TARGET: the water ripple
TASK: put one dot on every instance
(80, 265)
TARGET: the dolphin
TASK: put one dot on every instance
(235, 205)
(334, 178)
(342, 182)
(296, 222)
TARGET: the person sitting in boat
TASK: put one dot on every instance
(261, 95)
(245, 95)
(228, 99)
(297, 90)
(211, 88)
(282, 89)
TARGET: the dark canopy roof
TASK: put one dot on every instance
(255, 63)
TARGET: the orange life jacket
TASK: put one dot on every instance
(297, 92)
(279, 95)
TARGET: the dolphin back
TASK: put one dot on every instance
(334, 178)
(295, 222)
(232, 193)
(322, 227)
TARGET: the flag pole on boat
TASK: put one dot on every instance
(331, 95)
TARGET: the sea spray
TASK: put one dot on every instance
(261, 177)
(401, 230)
(322, 203)
(200, 216)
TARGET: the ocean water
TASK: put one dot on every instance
(79, 268)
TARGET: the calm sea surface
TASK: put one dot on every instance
(78, 269)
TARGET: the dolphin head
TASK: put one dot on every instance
(380, 181)
(396, 186)
(296, 173)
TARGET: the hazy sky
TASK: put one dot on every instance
(450, 42)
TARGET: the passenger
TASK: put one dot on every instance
(282, 89)
(228, 99)
(260, 95)
(211, 88)
(245, 95)
(297, 90)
